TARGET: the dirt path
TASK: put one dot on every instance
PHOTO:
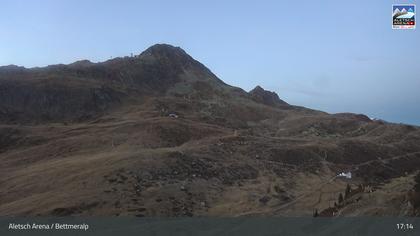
(355, 168)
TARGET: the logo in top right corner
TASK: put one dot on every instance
(404, 16)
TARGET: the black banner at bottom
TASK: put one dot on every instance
(197, 226)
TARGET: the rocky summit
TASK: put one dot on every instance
(158, 134)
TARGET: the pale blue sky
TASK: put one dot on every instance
(334, 56)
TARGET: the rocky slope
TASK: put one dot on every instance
(158, 134)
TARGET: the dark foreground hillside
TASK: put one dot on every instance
(159, 134)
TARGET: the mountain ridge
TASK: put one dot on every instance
(159, 135)
(160, 69)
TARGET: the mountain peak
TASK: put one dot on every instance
(258, 89)
(81, 63)
(169, 55)
(261, 95)
(164, 50)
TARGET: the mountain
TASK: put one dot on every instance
(158, 134)
(83, 90)
(260, 95)
(396, 12)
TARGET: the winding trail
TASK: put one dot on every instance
(354, 169)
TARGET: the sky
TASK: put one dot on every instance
(335, 56)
